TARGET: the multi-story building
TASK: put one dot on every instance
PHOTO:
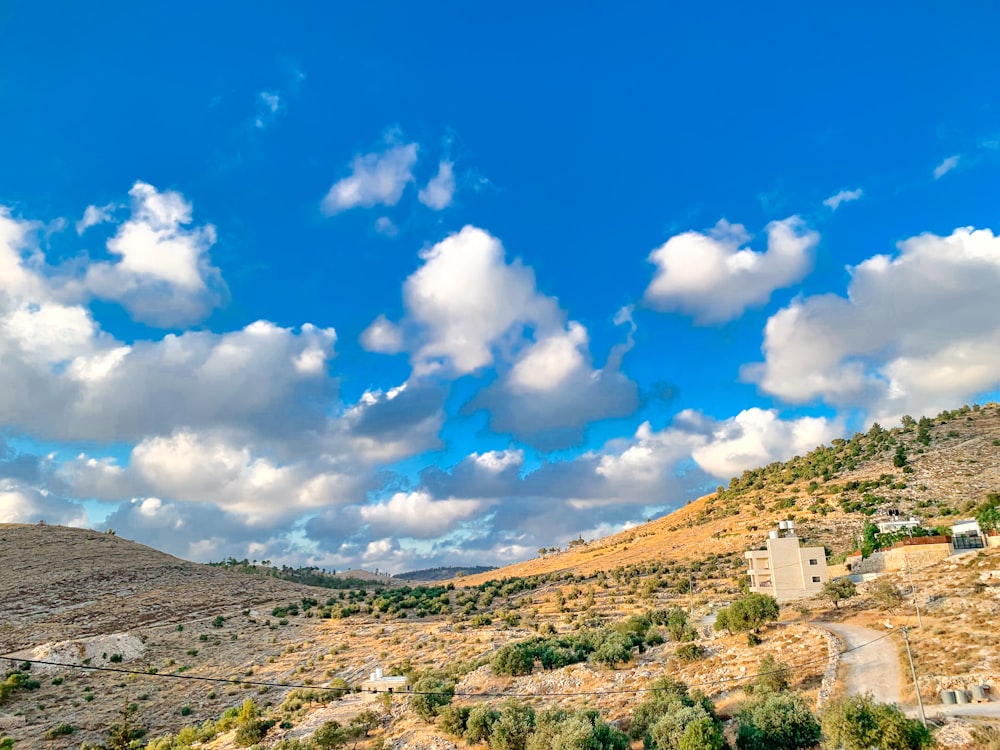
(786, 570)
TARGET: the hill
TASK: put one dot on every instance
(935, 469)
(89, 599)
(444, 573)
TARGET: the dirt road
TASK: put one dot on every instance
(872, 668)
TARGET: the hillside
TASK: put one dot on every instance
(951, 463)
(84, 598)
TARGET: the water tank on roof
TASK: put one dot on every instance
(783, 525)
(773, 534)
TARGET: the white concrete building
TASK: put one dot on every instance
(786, 570)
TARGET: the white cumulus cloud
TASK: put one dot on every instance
(377, 178)
(163, 274)
(917, 331)
(714, 278)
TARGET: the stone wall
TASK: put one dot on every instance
(916, 556)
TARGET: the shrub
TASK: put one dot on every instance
(859, 722)
(479, 725)
(838, 590)
(250, 727)
(513, 726)
(60, 731)
(615, 648)
(689, 652)
(330, 736)
(772, 677)
(781, 721)
(430, 695)
(453, 719)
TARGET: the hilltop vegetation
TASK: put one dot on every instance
(443, 573)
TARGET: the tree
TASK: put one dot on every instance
(430, 694)
(838, 590)
(772, 677)
(683, 726)
(339, 688)
(614, 649)
(330, 736)
(479, 725)
(781, 721)
(513, 659)
(661, 695)
(702, 734)
(749, 613)
(886, 595)
(558, 729)
(250, 727)
(513, 727)
(125, 733)
(859, 722)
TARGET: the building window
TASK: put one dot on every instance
(813, 562)
(815, 579)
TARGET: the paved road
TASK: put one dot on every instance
(872, 668)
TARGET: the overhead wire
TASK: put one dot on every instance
(482, 694)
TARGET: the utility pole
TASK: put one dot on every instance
(913, 594)
(913, 671)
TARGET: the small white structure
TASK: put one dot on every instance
(886, 527)
(785, 570)
(378, 682)
(966, 534)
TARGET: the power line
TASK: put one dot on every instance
(286, 686)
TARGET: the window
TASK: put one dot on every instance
(815, 579)
(813, 561)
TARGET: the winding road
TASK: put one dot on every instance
(873, 668)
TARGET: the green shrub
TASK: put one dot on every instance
(778, 721)
(689, 652)
(859, 722)
(430, 694)
(60, 731)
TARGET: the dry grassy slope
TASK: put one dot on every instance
(61, 583)
(959, 467)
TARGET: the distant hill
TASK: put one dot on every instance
(307, 575)
(444, 573)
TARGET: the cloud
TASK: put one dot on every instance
(25, 504)
(917, 332)
(713, 278)
(216, 468)
(163, 274)
(269, 107)
(377, 178)
(382, 336)
(417, 514)
(80, 384)
(844, 196)
(946, 166)
(468, 308)
(465, 300)
(384, 225)
(94, 215)
(552, 391)
(756, 437)
(439, 192)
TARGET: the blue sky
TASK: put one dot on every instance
(394, 286)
